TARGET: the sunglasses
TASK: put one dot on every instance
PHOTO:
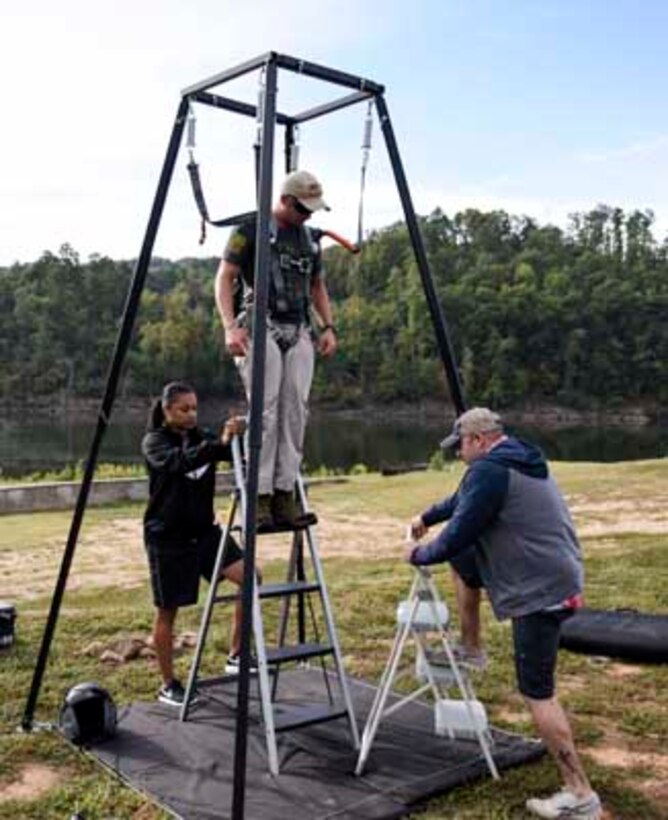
(302, 210)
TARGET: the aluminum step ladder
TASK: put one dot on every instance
(424, 617)
(270, 659)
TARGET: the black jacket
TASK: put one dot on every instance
(182, 482)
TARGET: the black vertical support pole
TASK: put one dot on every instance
(442, 338)
(289, 142)
(257, 151)
(258, 354)
(122, 344)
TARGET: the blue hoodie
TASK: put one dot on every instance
(510, 509)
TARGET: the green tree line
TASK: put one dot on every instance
(536, 314)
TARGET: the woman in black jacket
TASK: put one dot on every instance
(181, 534)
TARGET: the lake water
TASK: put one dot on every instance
(332, 441)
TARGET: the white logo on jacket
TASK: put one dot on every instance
(195, 475)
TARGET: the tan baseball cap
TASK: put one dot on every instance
(475, 420)
(306, 189)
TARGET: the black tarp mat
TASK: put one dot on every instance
(189, 766)
(619, 633)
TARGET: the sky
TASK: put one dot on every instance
(538, 107)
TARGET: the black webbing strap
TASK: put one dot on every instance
(198, 193)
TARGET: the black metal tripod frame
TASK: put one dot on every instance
(267, 117)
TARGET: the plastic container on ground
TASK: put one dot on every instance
(425, 618)
(452, 718)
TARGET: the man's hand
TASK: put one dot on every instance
(418, 528)
(327, 343)
(234, 426)
(237, 341)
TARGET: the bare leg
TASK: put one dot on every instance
(163, 635)
(555, 731)
(468, 605)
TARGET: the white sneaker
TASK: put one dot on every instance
(233, 664)
(565, 804)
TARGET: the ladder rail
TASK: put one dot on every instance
(383, 690)
(205, 622)
(258, 630)
(329, 621)
(422, 588)
(466, 690)
(269, 660)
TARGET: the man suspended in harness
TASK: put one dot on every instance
(296, 283)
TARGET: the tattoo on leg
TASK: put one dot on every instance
(570, 762)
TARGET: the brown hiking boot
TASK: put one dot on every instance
(287, 513)
(265, 518)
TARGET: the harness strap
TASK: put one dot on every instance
(198, 193)
(366, 148)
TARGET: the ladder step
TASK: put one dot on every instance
(283, 654)
(287, 588)
(281, 590)
(307, 716)
(310, 520)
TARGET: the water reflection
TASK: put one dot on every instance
(332, 441)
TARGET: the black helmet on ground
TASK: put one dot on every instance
(88, 714)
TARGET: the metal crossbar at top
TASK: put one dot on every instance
(293, 64)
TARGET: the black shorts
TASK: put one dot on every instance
(177, 565)
(466, 566)
(536, 641)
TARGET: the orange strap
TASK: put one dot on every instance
(349, 246)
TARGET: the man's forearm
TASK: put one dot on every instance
(441, 511)
(225, 279)
(321, 303)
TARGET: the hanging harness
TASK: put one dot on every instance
(198, 192)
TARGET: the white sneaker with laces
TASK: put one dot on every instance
(233, 665)
(565, 805)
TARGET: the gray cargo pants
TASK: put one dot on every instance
(287, 384)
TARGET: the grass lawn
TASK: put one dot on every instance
(619, 711)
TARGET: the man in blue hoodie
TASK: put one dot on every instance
(509, 531)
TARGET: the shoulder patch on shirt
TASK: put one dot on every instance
(237, 242)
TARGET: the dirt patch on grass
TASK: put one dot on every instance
(33, 781)
(621, 515)
(624, 670)
(112, 553)
(615, 751)
(339, 535)
(107, 554)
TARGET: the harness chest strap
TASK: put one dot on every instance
(290, 272)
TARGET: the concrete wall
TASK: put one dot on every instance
(62, 495)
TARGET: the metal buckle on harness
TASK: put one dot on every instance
(302, 265)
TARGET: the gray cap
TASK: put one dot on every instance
(305, 188)
(475, 420)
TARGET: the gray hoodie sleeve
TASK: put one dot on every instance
(479, 500)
